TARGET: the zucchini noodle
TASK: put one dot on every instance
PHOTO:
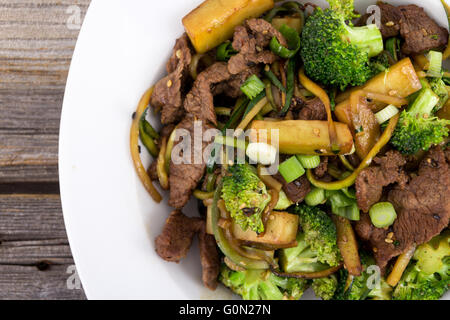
(400, 266)
(161, 165)
(350, 180)
(193, 66)
(323, 96)
(134, 147)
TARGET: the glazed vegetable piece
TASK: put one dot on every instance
(302, 136)
(293, 22)
(291, 169)
(399, 81)
(382, 214)
(281, 231)
(245, 197)
(428, 275)
(335, 53)
(214, 21)
(262, 285)
(326, 287)
(348, 246)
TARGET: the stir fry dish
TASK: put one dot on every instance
(314, 142)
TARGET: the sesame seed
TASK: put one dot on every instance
(265, 32)
(267, 68)
(178, 54)
(169, 83)
(390, 24)
(388, 240)
(375, 249)
(259, 49)
(390, 235)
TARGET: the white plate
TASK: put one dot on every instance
(111, 221)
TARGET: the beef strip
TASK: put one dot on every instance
(421, 33)
(313, 109)
(422, 206)
(390, 20)
(175, 241)
(200, 100)
(370, 182)
(322, 169)
(184, 177)
(297, 190)
(209, 257)
(176, 238)
(232, 86)
(168, 92)
(250, 41)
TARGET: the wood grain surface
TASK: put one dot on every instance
(37, 39)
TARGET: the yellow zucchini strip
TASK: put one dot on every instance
(252, 114)
(161, 165)
(350, 180)
(134, 147)
(348, 246)
(400, 266)
(323, 96)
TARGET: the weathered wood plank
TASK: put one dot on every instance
(35, 257)
(36, 46)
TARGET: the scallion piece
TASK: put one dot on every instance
(252, 87)
(293, 39)
(225, 51)
(273, 78)
(309, 162)
(291, 169)
(386, 114)
(382, 214)
(393, 47)
(350, 212)
(290, 84)
(231, 142)
(435, 69)
(315, 197)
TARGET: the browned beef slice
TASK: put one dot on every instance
(390, 20)
(200, 100)
(184, 177)
(313, 109)
(176, 238)
(232, 86)
(422, 206)
(210, 259)
(167, 94)
(250, 40)
(322, 169)
(370, 182)
(421, 33)
(297, 190)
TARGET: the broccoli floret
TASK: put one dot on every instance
(417, 128)
(357, 288)
(262, 285)
(245, 197)
(325, 288)
(316, 248)
(335, 53)
(428, 275)
(379, 64)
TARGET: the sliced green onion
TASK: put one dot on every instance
(386, 114)
(435, 69)
(263, 153)
(315, 197)
(273, 78)
(382, 214)
(252, 87)
(393, 47)
(289, 6)
(146, 140)
(225, 51)
(291, 169)
(309, 162)
(350, 212)
(283, 201)
(253, 103)
(293, 39)
(290, 86)
(231, 142)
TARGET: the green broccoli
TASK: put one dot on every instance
(245, 196)
(262, 285)
(379, 64)
(325, 288)
(357, 288)
(417, 128)
(335, 53)
(317, 248)
(428, 275)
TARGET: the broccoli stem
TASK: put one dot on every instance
(366, 38)
(424, 103)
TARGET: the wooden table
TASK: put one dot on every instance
(37, 39)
